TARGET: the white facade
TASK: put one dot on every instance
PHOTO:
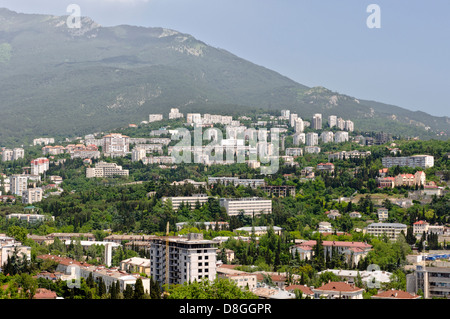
(39, 165)
(249, 206)
(103, 169)
(155, 117)
(424, 161)
(18, 184)
(312, 139)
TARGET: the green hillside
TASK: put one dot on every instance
(56, 81)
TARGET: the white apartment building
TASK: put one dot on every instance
(18, 184)
(187, 200)
(285, 114)
(312, 149)
(7, 247)
(189, 259)
(249, 206)
(332, 120)
(292, 118)
(103, 169)
(349, 126)
(39, 165)
(32, 195)
(423, 161)
(382, 214)
(312, 139)
(13, 155)
(294, 151)
(327, 136)
(116, 144)
(30, 218)
(138, 153)
(175, 114)
(155, 117)
(246, 182)
(340, 137)
(299, 138)
(392, 230)
(316, 122)
(340, 123)
(299, 125)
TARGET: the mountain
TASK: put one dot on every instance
(57, 81)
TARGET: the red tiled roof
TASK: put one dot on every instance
(339, 286)
(42, 293)
(304, 289)
(396, 294)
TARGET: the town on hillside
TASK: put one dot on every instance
(259, 206)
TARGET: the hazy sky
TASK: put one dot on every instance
(326, 43)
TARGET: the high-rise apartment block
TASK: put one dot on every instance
(116, 144)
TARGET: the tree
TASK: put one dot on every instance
(128, 292)
(139, 292)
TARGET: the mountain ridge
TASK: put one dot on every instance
(63, 79)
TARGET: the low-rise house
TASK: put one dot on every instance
(303, 289)
(338, 290)
(136, 265)
(355, 215)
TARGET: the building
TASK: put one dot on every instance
(332, 120)
(190, 259)
(327, 136)
(299, 138)
(316, 122)
(186, 200)
(343, 155)
(236, 181)
(30, 218)
(294, 151)
(391, 230)
(292, 118)
(382, 214)
(312, 149)
(103, 169)
(175, 114)
(371, 278)
(247, 206)
(338, 290)
(53, 150)
(155, 117)
(410, 180)
(349, 126)
(353, 251)
(138, 154)
(116, 144)
(193, 118)
(8, 246)
(299, 125)
(395, 294)
(32, 195)
(43, 140)
(136, 265)
(39, 165)
(18, 184)
(432, 281)
(13, 155)
(383, 182)
(423, 161)
(340, 137)
(279, 190)
(260, 230)
(242, 280)
(312, 139)
(327, 167)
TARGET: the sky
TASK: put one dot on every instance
(404, 60)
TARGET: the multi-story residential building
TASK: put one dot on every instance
(340, 123)
(32, 195)
(420, 227)
(81, 151)
(8, 247)
(53, 150)
(353, 251)
(292, 118)
(338, 290)
(279, 190)
(248, 206)
(382, 214)
(416, 179)
(327, 136)
(386, 182)
(312, 149)
(423, 161)
(343, 155)
(236, 181)
(18, 184)
(285, 114)
(103, 169)
(116, 144)
(294, 151)
(30, 218)
(434, 282)
(299, 138)
(316, 122)
(299, 125)
(391, 230)
(349, 126)
(175, 114)
(138, 153)
(43, 140)
(13, 155)
(259, 230)
(340, 137)
(189, 259)
(328, 167)
(186, 200)
(39, 165)
(155, 117)
(332, 120)
(193, 118)
(312, 139)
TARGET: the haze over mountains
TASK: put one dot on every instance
(57, 81)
